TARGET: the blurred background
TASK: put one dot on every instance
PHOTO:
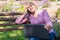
(11, 9)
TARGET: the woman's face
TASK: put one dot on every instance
(31, 8)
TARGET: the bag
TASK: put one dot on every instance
(35, 31)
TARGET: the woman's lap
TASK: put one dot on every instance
(51, 37)
(33, 38)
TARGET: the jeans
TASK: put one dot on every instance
(51, 37)
(33, 38)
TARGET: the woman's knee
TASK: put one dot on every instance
(51, 36)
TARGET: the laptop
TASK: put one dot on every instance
(31, 30)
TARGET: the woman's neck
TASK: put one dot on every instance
(35, 14)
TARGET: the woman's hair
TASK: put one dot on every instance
(30, 3)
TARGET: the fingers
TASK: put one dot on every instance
(47, 27)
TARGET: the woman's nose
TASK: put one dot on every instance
(31, 8)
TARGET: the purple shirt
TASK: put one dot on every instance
(42, 18)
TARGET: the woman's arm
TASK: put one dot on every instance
(48, 22)
(21, 19)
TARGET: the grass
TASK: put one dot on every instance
(12, 35)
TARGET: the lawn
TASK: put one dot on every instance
(12, 35)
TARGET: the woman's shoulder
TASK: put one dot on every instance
(41, 11)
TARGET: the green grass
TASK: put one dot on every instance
(12, 35)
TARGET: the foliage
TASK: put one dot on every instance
(56, 27)
(52, 0)
(58, 13)
(6, 8)
(13, 7)
(20, 9)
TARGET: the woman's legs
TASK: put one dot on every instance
(51, 36)
(34, 38)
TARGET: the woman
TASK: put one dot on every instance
(37, 17)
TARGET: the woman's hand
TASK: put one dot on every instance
(20, 19)
(48, 27)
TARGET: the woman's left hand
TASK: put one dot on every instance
(48, 27)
